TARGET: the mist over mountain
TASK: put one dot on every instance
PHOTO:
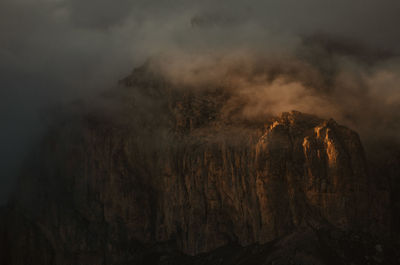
(55, 51)
(175, 132)
(176, 169)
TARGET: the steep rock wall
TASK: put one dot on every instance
(172, 167)
(96, 190)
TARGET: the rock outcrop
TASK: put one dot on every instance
(101, 188)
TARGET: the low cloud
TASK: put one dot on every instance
(56, 51)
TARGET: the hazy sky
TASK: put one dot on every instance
(55, 51)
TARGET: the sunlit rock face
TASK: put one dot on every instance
(102, 187)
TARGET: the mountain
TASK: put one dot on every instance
(162, 174)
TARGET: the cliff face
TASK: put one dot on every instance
(299, 171)
(103, 188)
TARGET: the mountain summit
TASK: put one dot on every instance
(166, 179)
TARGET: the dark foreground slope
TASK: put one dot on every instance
(168, 176)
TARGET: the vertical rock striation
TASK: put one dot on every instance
(101, 189)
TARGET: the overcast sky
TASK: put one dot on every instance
(56, 51)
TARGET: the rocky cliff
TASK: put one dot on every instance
(168, 170)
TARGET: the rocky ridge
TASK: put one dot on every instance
(176, 176)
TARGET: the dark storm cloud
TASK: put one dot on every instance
(98, 14)
(54, 51)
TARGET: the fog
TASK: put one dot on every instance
(343, 54)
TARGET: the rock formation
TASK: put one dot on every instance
(111, 187)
